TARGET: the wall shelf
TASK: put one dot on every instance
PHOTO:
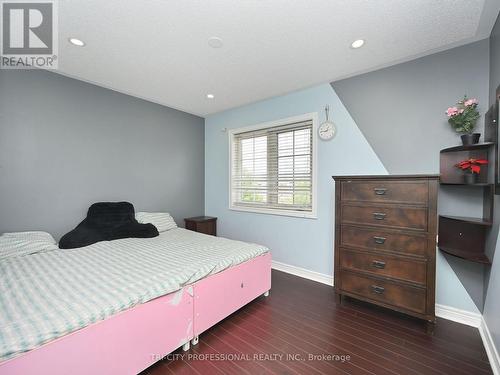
(469, 220)
(464, 237)
(477, 258)
(477, 146)
(460, 236)
(450, 157)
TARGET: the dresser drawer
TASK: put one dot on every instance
(392, 293)
(413, 192)
(395, 217)
(378, 239)
(385, 265)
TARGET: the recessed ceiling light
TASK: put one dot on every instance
(76, 42)
(215, 42)
(357, 43)
(210, 96)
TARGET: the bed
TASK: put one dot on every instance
(116, 307)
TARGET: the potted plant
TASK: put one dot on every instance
(472, 168)
(463, 118)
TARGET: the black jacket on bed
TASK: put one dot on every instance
(107, 221)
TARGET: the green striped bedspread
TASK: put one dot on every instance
(47, 295)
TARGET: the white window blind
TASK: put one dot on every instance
(272, 168)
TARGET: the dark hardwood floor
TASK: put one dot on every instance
(300, 329)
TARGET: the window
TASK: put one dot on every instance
(273, 167)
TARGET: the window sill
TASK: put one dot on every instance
(303, 215)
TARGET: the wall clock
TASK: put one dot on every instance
(327, 129)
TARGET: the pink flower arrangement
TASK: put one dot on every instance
(470, 102)
(452, 111)
(464, 115)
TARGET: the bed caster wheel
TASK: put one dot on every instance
(195, 340)
(266, 294)
(186, 347)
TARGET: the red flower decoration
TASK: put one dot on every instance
(474, 165)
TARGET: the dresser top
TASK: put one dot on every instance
(388, 177)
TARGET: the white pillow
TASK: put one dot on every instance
(25, 243)
(161, 220)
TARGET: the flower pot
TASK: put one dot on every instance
(470, 178)
(470, 139)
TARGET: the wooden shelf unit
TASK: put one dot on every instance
(450, 157)
(465, 237)
(469, 220)
(476, 258)
(477, 146)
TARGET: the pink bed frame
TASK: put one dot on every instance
(133, 340)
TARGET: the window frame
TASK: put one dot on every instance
(313, 117)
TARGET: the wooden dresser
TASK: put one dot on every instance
(385, 241)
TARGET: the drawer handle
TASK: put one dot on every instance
(378, 264)
(379, 240)
(379, 216)
(380, 191)
(378, 289)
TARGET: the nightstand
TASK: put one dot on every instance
(202, 224)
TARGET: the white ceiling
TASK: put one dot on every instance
(157, 49)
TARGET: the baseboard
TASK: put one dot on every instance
(446, 312)
(460, 316)
(474, 320)
(302, 272)
(490, 347)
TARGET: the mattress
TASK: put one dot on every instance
(47, 295)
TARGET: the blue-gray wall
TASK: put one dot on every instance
(65, 144)
(492, 303)
(305, 243)
(401, 111)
